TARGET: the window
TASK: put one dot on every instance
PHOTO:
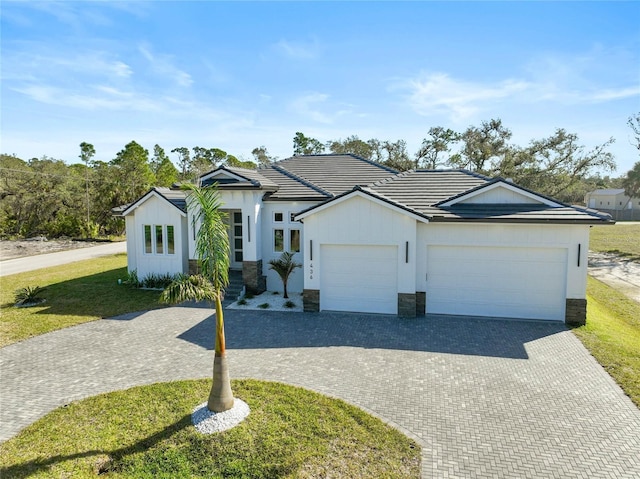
(294, 241)
(147, 239)
(159, 239)
(278, 217)
(278, 241)
(171, 247)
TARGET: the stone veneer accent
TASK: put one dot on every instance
(576, 312)
(421, 303)
(407, 305)
(252, 277)
(193, 266)
(311, 300)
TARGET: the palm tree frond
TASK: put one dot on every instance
(284, 266)
(212, 240)
(189, 288)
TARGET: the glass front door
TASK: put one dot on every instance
(235, 239)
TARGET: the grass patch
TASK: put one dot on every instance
(612, 335)
(75, 293)
(621, 239)
(146, 432)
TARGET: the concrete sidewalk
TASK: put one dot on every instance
(32, 263)
(485, 398)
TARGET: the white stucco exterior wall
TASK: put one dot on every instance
(269, 209)
(155, 211)
(132, 241)
(250, 204)
(361, 221)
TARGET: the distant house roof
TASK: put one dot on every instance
(608, 191)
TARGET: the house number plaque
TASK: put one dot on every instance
(310, 270)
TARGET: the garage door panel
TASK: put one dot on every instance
(359, 278)
(497, 281)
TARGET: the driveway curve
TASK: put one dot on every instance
(485, 398)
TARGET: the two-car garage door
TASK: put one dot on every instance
(497, 281)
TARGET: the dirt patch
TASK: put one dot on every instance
(622, 275)
(22, 248)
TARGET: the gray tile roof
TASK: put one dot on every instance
(334, 174)
(514, 213)
(324, 178)
(253, 177)
(420, 189)
(177, 198)
(422, 192)
(291, 187)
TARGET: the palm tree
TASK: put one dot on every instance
(212, 251)
(284, 266)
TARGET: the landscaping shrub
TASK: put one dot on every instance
(28, 295)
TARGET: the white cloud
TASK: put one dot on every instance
(460, 100)
(163, 65)
(97, 98)
(438, 93)
(307, 106)
(298, 50)
(121, 69)
(77, 15)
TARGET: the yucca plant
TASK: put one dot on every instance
(212, 251)
(28, 295)
(284, 266)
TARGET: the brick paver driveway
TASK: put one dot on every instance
(485, 398)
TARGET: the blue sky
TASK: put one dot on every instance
(236, 75)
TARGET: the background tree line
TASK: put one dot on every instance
(49, 197)
(557, 166)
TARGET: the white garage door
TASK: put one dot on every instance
(359, 278)
(497, 281)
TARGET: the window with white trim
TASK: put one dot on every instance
(278, 217)
(278, 240)
(294, 241)
(148, 248)
(159, 239)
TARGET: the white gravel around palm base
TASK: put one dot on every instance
(208, 422)
(275, 301)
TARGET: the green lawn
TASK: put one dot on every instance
(622, 239)
(146, 432)
(76, 293)
(612, 335)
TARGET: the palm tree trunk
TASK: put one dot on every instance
(286, 296)
(220, 397)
